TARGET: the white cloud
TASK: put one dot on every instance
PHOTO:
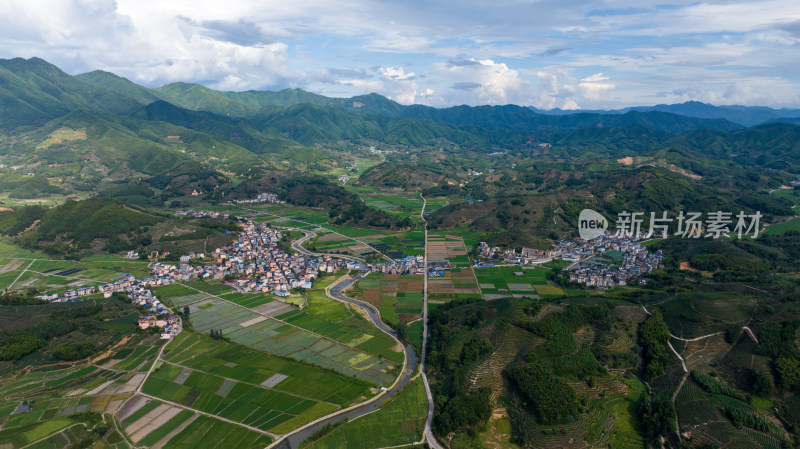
(491, 82)
(595, 78)
(543, 53)
(393, 82)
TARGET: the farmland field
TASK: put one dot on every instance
(236, 362)
(205, 432)
(516, 281)
(283, 338)
(457, 283)
(406, 413)
(448, 247)
(246, 386)
(398, 297)
(23, 268)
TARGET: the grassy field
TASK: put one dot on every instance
(783, 227)
(401, 421)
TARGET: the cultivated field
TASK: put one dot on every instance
(398, 297)
(406, 413)
(516, 281)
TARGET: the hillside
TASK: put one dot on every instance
(83, 149)
(408, 177)
(74, 225)
(33, 91)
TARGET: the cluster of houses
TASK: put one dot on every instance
(69, 295)
(406, 265)
(170, 325)
(137, 290)
(262, 266)
(200, 214)
(261, 198)
(636, 262)
(527, 256)
(436, 268)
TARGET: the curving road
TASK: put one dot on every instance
(295, 439)
(336, 291)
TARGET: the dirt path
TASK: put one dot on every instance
(20, 275)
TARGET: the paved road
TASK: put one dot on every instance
(428, 436)
(323, 228)
(297, 245)
(295, 439)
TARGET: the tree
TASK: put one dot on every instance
(653, 337)
(186, 311)
(788, 369)
(657, 415)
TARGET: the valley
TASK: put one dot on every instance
(185, 267)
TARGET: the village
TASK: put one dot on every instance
(252, 263)
(587, 267)
(260, 198)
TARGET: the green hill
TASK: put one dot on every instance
(87, 148)
(407, 176)
(118, 84)
(33, 91)
(74, 225)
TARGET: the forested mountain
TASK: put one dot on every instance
(33, 91)
(742, 115)
(88, 132)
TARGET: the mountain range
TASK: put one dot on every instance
(742, 115)
(81, 132)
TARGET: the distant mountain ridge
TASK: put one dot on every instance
(742, 115)
(509, 117)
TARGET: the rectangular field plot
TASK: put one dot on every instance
(406, 413)
(516, 281)
(239, 363)
(249, 404)
(47, 274)
(398, 297)
(249, 300)
(301, 337)
(204, 432)
(448, 247)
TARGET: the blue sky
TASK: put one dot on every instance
(547, 53)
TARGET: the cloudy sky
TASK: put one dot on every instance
(546, 53)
